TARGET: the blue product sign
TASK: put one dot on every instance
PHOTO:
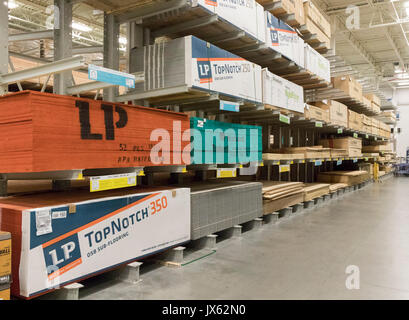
(339, 162)
(111, 76)
(229, 106)
(318, 163)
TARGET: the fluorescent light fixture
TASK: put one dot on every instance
(12, 4)
(406, 4)
(81, 27)
(123, 40)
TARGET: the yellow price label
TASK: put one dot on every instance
(226, 173)
(110, 182)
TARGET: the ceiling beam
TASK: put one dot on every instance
(349, 37)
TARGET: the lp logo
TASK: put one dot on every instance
(109, 121)
(274, 36)
(205, 71)
(353, 280)
(62, 253)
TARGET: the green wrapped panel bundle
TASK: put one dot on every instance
(216, 142)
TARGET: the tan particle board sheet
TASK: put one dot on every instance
(309, 152)
(277, 185)
(283, 156)
(278, 195)
(315, 190)
(348, 177)
(339, 153)
(336, 186)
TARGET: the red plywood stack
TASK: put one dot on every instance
(46, 132)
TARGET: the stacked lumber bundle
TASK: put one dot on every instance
(338, 112)
(352, 145)
(375, 124)
(283, 156)
(191, 62)
(370, 154)
(366, 124)
(349, 85)
(216, 205)
(278, 195)
(292, 9)
(384, 130)
(315, 113)
(315, 152)
(336, 186)
(351, 178)
(338, 153)
(368, 167)
(354, 120)
(317, 23)
(377, 148)
(47, 132)
(389, 115)
(375, 102)
(281, 93)
(315, 190)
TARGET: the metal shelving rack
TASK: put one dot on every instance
(300, 132)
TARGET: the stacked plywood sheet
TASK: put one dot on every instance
(313, 14)
(338, 112)
(366, 123)
(316, 113)
(384, 130)
(315, 152)
(349, 177)
(283, 39)
(283, 156)
(336, 186)
(338, 153)
(47, 132)
(316, 63)
(175, 67)
(59, 238)
(352, 145)
(368, 167)
(349, 85)
(389, 115)
(278, 195)
(377, 148)
(375, 102)
(216, 205)
(315, 190)
(292, 9)
(354, 120)
(281, 93)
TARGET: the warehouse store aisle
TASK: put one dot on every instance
(302, 257)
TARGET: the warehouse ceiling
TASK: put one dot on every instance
(375, 43)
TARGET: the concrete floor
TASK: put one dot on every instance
(302, 257)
